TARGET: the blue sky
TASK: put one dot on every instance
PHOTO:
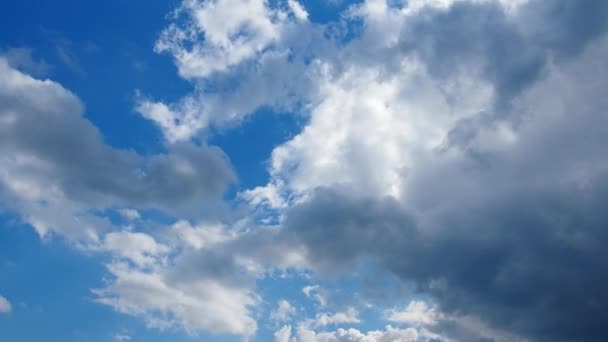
(303, 171)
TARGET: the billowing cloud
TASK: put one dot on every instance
(458, 145)
(434, 145)
(168, 291)
(56, 167)
(350, 315)
(472, 172)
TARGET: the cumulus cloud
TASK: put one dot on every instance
(457, 144)
(138, 248)
(164, 302)
(56, 167)
(432, 146)
(255, 53)
(349, 316)
(390, 334)
(5, 306)
(192, 281)
(60, 177)
(283, 335)
(232, 32)
(283, 312)
(472, 171)
(416, 312)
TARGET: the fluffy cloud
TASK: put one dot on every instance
(390, 334)
(138, 248)
(457, 144)
(175, 291)
(283, 312)
(232, 31)
(416, 312)
(60, 177)
(522, 234)
(164, 302)
(55, 166)
(5, 306)
(433, 146)
(238, 47)
(472, 171)
(348, 316)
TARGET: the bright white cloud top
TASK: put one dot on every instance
(452, 149)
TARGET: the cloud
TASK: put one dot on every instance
(353, 335)
(506, 233)
(298, 10)
(130, 214)
(349, 316)
(256, 54)
(5, 306)
(165, 301)
(139, 248)
(232, 32)
(434, 145)
(458, 145)
(46, 143)
(315, 292)
(21, 58)
(416, 312)
(492, 209)
(283, 335)
(283, 312)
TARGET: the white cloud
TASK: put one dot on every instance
(390, 334)
(378, 122)
(314, 292)
(139, 248)
(5, 306)
(370, 129)
(283, 334)
(351, 315)
(57, 178)
(199, 304)
(416, 313)
(201, 236)
(298, 10)
(283, 312)
(233, 31)
(178, 121)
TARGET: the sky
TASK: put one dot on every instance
(303, 171)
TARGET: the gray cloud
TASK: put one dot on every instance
(512, 231)
(511, 51)
(529, 263)
(47, 144)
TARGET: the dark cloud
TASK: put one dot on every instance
(513, 233)
(511, 51)
(531, 263)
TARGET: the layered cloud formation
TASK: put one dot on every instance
(457, 147)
